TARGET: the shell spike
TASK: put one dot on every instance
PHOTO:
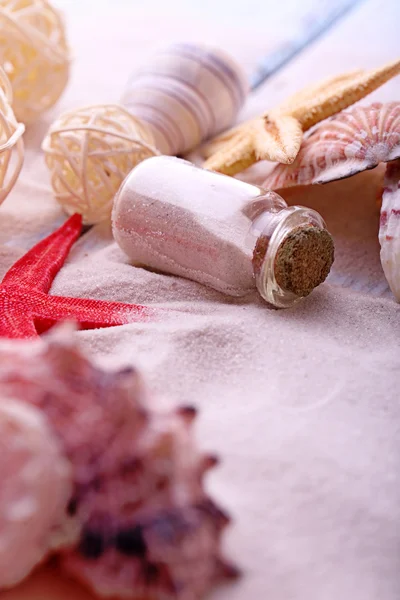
(226, 570)
(188, 413)
(208, 462)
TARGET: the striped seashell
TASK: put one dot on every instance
(186, 94)
(389, 230)
(346, 144)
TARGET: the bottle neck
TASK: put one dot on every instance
(292, 250)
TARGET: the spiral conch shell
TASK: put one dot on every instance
(344, 145)
(186, 94)
(146, 527)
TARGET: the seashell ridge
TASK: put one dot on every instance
(343, 145)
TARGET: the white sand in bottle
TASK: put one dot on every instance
(162, 221)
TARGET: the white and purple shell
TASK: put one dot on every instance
(36, 485)
(344, 145)
(389, 230)
(186, 94)
(144, 526)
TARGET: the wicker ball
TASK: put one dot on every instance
(89, 153)
(34, 54)
(11, 143)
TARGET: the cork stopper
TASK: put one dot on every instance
(304, 259)
(292, 253)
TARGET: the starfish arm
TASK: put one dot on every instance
(341, 93)
(217, 143)
(278, 139)
(287, 108)
(389, 230)
(307, 107)
(235, 155)
(38, 267)
(308, 94)
(90, 314)
(17, 325)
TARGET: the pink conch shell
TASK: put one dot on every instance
(147, 527)
(35, 487)
(389, 231)
(344, 145)
(347, 143)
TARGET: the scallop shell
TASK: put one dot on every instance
(186, 94)
(389, 230)
(147, 529)
(347, 143)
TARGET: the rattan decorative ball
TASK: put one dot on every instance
(11, 143)
(34, 55)
(89, 152)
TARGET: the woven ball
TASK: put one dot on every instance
(89, 153)
(11, 144)
(34, 54)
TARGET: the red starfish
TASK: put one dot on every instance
(26, 308)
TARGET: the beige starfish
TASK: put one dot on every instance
(277, 134)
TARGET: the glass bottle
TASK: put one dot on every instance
(176, 218)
